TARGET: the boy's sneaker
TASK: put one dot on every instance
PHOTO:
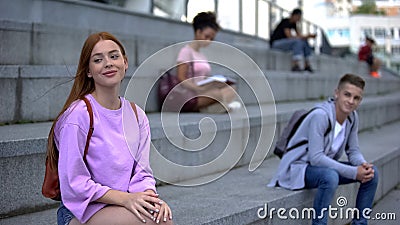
(309, 69)
(296, 68)
(375, 74)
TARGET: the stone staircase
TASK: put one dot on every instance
(39, 54)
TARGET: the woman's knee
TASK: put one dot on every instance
(74, 222)
(228, 92)
(121, 216)
(114, 215)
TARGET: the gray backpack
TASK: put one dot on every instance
(298, 116)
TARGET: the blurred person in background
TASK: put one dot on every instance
(287, 37)
(366, 54)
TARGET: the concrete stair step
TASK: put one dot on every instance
(37, 92)
(15, 139)
(46, 217)
(236, 197)
(33, 32)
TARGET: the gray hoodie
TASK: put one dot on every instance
(291, 170)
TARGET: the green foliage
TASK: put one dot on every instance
(369, 7)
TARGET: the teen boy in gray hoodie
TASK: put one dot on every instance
(316, 165)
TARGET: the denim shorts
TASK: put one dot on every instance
(64, 216)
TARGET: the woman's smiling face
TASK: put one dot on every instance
(107, 65)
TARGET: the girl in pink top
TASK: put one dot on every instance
(208, 96)
(115, 185)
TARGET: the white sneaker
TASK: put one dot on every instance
(234, 105)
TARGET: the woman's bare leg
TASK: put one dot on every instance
(118, 215)
(376, 65)
(74, 222)
(224, 95)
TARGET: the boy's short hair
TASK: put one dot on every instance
(370, 39)
(352, 79)
(297, 12)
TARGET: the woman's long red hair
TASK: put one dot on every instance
(82, 86)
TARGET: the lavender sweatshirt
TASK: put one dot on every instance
(116, 142)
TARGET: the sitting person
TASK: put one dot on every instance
(283, 39)
(315, 164)
(112, 183)
(193, 67)
(365, 54)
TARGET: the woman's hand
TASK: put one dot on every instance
(138, 203)
(164, 212)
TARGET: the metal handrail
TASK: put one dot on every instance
(262, 29)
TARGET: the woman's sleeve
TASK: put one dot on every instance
(185, 55)
(77, 187)
(318, 124)
(143, 179)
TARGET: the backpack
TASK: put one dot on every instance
(51, 184)
(294, 123)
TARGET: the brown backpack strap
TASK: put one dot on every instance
(91, 128)
(137, 119)
(135, 110)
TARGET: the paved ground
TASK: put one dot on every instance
(388, 207)
(389, 204)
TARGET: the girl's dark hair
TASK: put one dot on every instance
(205, 19)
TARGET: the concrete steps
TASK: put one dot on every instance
(37, 92)
(34, 80)
(236, 197)
(22, 147)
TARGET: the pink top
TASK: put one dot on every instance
(117, 140)
(201, 66)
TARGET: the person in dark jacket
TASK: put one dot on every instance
(283, 38)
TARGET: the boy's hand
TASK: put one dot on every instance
(365, 172)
